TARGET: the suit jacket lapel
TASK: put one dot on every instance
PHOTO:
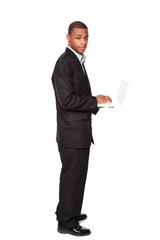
(76, 60)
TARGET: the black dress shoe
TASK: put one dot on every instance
(76, 231)
(81, 217)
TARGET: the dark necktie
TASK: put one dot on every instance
(84, 70)
(88, 84)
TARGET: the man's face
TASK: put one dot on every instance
(78, 39)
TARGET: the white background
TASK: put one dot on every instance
(122, 192)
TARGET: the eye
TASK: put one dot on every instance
(78, 38)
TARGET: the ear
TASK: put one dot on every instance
(68, 38)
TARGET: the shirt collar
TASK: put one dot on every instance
(82, 58)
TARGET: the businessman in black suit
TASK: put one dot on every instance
(75, 105)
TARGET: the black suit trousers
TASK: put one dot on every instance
(72, 184)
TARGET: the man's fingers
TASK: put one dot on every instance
(103, 99)
(107, 98)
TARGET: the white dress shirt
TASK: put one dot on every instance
(82, 58)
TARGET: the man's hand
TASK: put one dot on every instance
(103, 99)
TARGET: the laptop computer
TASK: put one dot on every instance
(119, 98)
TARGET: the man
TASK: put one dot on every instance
(75, 105)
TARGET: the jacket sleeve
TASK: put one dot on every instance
(64, 90)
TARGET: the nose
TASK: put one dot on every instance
(84, 41)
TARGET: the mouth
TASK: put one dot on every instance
(82, 48)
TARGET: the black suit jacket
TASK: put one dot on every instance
(74, 102)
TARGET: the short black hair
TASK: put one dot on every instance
(76, 24)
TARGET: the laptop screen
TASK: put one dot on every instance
(122, 91)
